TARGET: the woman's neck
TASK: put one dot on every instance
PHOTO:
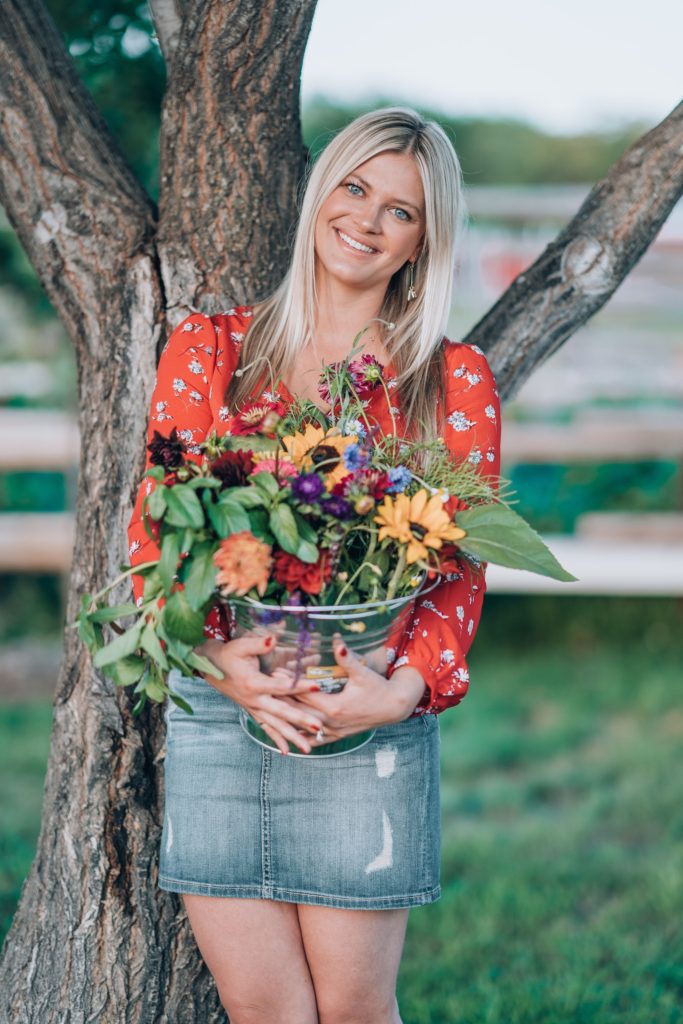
(340, 316)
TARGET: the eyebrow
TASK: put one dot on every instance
(401, 202)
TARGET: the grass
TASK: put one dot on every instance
(562, 854)
(562, 840)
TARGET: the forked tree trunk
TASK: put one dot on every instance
(94, 939)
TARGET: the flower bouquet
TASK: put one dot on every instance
(306, 524)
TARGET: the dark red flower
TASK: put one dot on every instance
(293, 574)
(257, 418)
(233, 468)
(168, 452)
(374, 482)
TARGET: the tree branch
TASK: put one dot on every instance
(68, 192)
(577, 273)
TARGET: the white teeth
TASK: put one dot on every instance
(354, 244)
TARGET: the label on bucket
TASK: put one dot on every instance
(323, 671)
(331, 678)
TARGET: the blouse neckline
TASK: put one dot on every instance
(286, 395)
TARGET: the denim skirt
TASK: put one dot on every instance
(359, 830)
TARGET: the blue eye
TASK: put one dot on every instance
(406, 216)
(352, 184)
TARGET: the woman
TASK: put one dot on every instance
(298, 875)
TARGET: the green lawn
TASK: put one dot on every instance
(562, 840)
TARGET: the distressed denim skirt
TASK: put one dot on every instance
(360, 830)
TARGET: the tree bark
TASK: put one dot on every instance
(93, 938)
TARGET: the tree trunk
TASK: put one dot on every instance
(94, 939)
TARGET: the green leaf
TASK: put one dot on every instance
(180, 620)
(259, 525)
(127, 671)
(177, 699)
(306, 531)
(283, 525)
(184, 508)
(267, 485)
(307, 552)
(203, 664)
(498, 534)
(247, 497)
(170, 556)
(156, 473)
(200, 580)
(149, 641)
(116, 611)
(86, 630)
(228, 517)
(156, 501)
(155, 691)
(199, 482)
(125, 644)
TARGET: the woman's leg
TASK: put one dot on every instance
(254, 951)
(353, 957)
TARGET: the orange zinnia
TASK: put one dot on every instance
(243, 562)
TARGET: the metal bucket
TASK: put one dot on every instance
(304, 645)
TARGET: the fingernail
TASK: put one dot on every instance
(269, 641)
(343, 651)
(314, 689)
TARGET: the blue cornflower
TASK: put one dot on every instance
(400, 477)
(355, 458)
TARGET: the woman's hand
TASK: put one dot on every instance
(263, 695)
(368, 699)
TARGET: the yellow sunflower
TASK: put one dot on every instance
(314, 449)
(420, 522)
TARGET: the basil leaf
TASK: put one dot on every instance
(181, 620)
(283, 525)
(498, 534)
(184, 508)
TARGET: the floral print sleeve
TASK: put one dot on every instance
(181, 399)
(445, 621)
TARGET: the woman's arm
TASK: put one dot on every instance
(180, 399)
(445, 621)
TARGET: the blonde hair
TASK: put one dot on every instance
(285, 321)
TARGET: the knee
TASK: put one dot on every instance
(362, 1009)
(264, 1011)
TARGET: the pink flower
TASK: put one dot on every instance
(284, 467)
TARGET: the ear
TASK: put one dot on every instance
(417, 250)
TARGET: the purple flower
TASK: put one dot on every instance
(355, 458)
(337, 507)
(307, 487)
(400, 477)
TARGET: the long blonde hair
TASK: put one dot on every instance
(285, 320)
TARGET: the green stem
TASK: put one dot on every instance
(398, 572)
(351, 579)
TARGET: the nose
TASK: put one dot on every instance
(368, 219)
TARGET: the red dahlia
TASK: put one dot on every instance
(294, 574)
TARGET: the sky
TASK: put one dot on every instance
(588, 64)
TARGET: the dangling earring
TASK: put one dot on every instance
(412, 294)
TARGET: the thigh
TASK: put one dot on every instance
(255, 953)
(353, 957)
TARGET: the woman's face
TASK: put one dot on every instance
(372, 222)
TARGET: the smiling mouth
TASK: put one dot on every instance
(351, 243)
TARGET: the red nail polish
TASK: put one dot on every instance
(315, 688)
(343, 651)
(269, 641)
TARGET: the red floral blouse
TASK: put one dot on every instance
(194, 370)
